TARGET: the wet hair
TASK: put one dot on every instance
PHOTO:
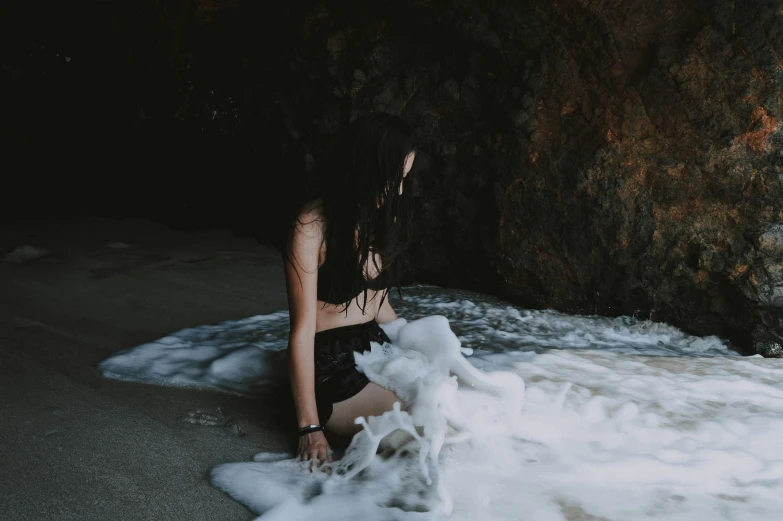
(362, 210)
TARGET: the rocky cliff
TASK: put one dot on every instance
(595, 156)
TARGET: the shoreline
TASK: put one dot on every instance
(81, 446)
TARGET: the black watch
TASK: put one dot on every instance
(310, 428)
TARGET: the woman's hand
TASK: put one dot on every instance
(313, 447)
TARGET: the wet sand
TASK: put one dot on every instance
(77, 446)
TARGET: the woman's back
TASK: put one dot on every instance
(331, 310)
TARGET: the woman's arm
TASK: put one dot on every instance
(301, 273)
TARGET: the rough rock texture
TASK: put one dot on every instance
(608, 156)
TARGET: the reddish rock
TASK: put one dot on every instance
(590, 156)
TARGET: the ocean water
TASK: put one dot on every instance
(510, 414)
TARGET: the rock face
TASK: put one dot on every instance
(589, 156)
(594, 156)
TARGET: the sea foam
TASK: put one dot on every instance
(619, 419)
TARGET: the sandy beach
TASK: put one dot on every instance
(77, 446)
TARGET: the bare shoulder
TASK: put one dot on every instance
(307, 244)
(310, 222)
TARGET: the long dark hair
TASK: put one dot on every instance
(363, 213)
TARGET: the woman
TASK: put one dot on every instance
(339, 258)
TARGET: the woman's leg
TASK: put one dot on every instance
(373, 400)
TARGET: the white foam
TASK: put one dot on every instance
(620, 419)
(25, 253)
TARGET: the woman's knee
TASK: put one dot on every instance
(373, 400)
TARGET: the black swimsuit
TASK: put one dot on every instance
(336, 376)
